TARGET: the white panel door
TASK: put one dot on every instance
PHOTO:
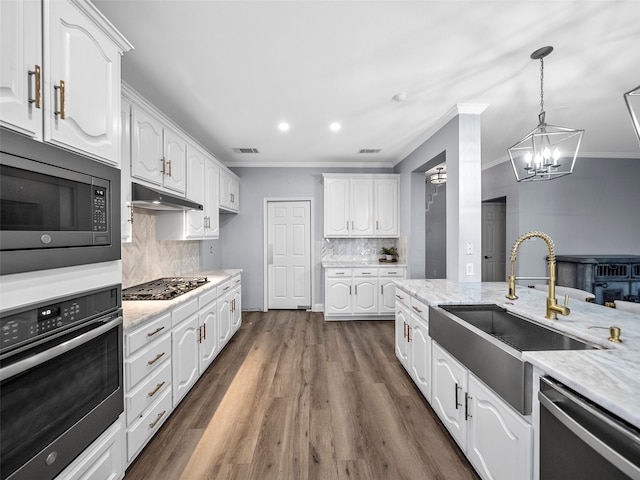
(336, 204)
(184, 348)
(146, 146)
(175, 154)
(494, 242)
(289, 251)
(365, 291)
(195, 219)
(21, 53)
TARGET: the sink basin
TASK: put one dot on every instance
(515, 331)
(489, 341)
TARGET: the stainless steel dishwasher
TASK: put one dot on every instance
(580, 440)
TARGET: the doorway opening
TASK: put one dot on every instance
(494, 239)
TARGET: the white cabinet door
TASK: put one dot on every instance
(208, 335)
(402, 345)
(361, 207)
(236, 308)
(196, 177)
(224, 320)
(387, 303)
(448, 388)
(337, 296)
(146, 146)
(365, 293)
(184, 344)
(499, 440)
(21, 75)
(386, 208)
(420, 354)
(82, 83)
(229, 192)
(336, 207)
(126, 208)
(175, 158)
(212, 223)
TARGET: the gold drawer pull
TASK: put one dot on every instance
(225, 289)
(155, 390)
(160, 415)
(158, 357)
(151, 334)
(38, 87)
(399, 296)
(417, 309)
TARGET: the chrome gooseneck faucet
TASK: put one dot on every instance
(552, 304)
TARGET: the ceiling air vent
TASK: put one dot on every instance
(369, 150)
(245, 150)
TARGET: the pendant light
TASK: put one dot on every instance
(548, 151)
(632, 98)
(439, 177)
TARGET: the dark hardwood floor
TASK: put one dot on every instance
(295, 397)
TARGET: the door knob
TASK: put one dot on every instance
(487, 256)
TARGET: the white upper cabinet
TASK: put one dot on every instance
(60, 80)
(158, 153)
(21, 73)
(202, 187)
(229, 192)
(126, 207)
(361, 205)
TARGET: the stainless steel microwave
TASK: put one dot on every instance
(57, 209)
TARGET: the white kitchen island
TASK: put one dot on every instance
(500, 442)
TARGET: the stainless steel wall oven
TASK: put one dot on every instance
(57, 209)
(61, 380)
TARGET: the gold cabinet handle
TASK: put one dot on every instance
(60, 88)
(169, 162)
(38, 99)
(399, 296)
(158, 357)
(155, 422)
(225, 289)
(409, 333)
(404, 329)
(155, 390)
(164, 169)
(377, 228)
(159, 329)
(199, 334)
(204, 331)
(130, 220)
(417, 309)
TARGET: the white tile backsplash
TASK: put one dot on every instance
(358, 248)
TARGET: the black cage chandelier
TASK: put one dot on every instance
(548, 151)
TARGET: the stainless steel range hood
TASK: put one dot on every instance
(145, 197)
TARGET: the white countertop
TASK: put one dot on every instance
(610, 377)
(360, 263)
(137, 312)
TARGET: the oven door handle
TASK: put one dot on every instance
(35, 360)
(585, 435)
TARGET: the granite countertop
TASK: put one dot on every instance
(609, 377)
(137, 312)
(346, 263)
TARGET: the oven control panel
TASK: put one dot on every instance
(38, 321)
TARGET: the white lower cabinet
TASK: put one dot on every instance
(413, 348)
(495, 438)
(102, 460)
(165, 357)
(360, 292)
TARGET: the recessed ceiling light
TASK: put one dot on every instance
(283, 126)
(335, 126)
(399, 97)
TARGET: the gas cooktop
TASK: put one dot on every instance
(165, 288)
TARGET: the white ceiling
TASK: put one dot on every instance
(229, 71)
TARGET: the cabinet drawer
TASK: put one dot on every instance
(338, 272)
(146, 361)
(147, 392)
(235, 281)
(419, 308)
(148, 425)
(403, 298)
(182, 312)
(391, 272)
(365, 272)
(208, 297)
(147, 334)
(223, 288)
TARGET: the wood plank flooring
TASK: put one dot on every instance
(295, 397)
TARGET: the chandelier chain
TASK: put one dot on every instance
(541, 85)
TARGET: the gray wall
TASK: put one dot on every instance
(242, 235)
(596, 210)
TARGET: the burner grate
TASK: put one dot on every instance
(165, 288)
